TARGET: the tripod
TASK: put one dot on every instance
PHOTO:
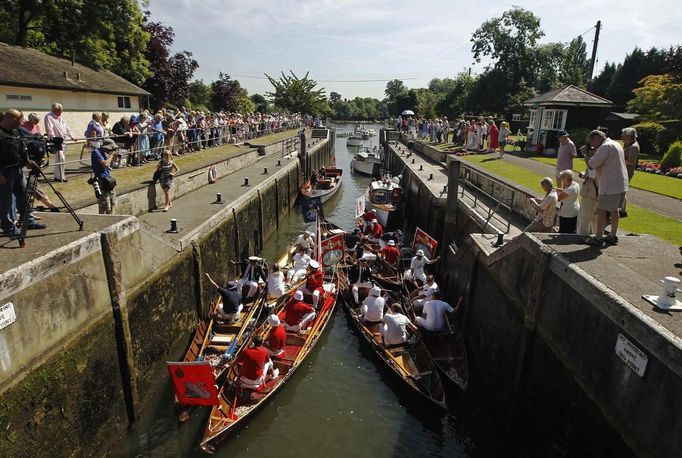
(31, 185)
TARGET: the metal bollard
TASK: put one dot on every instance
(413, 161)
(430, 176)
(265, 170)
(246, 181)
(173, 226)
(421, 168)
(218, 198)
(279, 163)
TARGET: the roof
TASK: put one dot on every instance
(626, 116)
(26, 67)
(569, 96)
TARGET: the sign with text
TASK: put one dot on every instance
(631, 355)
(7, 315)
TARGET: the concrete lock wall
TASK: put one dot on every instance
(98, 319)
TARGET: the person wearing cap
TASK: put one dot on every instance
(301, 261)
(313, 282)
(391, 254)
(255, 365)
(372, 310)
(351, 239)
(367, 218)
(276, 282)
(396, 326)
(101, 159)
(375, 231)
(305, 241)
(433, 315)
(230, 301)
(297, 314)
(416, 270)
(564, 155)
(396, 235)
(277, 337)
(252, 272)
(360, 276)
(425, 293)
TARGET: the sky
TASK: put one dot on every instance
(354, 47)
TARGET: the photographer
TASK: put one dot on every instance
(12, 180)
(103, 182)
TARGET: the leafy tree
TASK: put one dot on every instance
(105, 34)
(454, 102)
(575, 64)
(334, 97)
(636, 66)
(601, 83)
(549, 73)
(260, 103)
(199, 93)
(393, 88)
(674, 63)
(226, 94)
(658, 98)
(406, 100)
(169, 82)
(298, 94)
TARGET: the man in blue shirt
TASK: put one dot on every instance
(101, 158)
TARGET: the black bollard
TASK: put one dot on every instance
(500, 240)
(246, 181)
(265, 170)
(279, 163)
(430, 176)
(421, 168)
(174, 226)
(218, 198)
(413, 161)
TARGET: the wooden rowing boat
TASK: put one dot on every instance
(236, 404)
(326, 187)
(411, 363)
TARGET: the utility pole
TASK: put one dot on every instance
(594, 48)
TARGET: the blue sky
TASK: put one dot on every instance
(350, 40)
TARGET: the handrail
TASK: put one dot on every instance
(495, 202)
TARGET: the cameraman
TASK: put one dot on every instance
(101, 159)
(12, 181)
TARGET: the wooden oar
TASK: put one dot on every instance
(208, 330)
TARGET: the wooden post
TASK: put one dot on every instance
(202, 311)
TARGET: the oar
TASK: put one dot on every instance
(208, 331)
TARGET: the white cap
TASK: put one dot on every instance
(254, 258)
(273, 320)
(391, 242)
(314, 264)
(420, 252)
(308, 232)
(374, 221)
(376, 291)
(298, 295)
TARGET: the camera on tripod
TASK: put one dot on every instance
(37, 148)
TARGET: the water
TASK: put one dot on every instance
(341, 403)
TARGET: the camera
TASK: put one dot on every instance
(95, 185)
(37, 148)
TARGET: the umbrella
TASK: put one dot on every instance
(407, 113)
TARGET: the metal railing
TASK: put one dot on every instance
(491, 199)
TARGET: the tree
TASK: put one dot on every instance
(601, 83)
(636, 66)
(260, 103)
(169, 82)
(334, 97)
(549, 73)
(298, 94)
(575, 64)
(393, 88)
(674, 63)
(199, 93)
(227, 94)
(658, 98)
(106, 34)
(454, 102)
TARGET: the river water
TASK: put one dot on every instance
(341, 403)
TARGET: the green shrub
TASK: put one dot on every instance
(578, 135)
(673, 157)
(646, 136)
(666, 137)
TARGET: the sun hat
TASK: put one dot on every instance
(376, 291)
(314, 264)
(254, 258)
(420, 252)
(273, 320)
(391, 243)
(298, 295)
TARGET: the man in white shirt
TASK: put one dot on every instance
(435, 311)
(301, 262)
(252, 272)
(425, 293)
(416, 270)
(305, 241)
(396, 326)
(56, 126)
(372, 309)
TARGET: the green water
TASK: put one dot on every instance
(340, 403)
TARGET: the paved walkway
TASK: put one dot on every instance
(664, 205)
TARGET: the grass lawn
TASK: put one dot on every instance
(666, 186)
(640, 220)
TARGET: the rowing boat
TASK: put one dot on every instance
(325, 187)
(411, 362)
(236, 404)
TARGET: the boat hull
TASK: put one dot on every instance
(354, 141)
(324, 194)
(371, 169)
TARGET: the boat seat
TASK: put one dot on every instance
(219, 339)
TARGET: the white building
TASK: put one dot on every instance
(32, 81)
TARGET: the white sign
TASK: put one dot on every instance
(359, 206)
(7, 315)
(631, 355)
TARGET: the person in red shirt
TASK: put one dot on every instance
(391, 254)
(375, 232)
(367, 218)
(313, 282)
(297, 313)
(255, 364)
(277, 337)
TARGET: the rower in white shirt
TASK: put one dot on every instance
(301, 262)
(373, 306)
(416, 270)
(425, 293)
(305, 241)
(435, 311)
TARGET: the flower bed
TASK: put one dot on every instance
(654, 167)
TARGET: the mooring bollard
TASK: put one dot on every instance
(430, 176)
(218, 198)
(279, 163)
(421, 168)
(413, 161)
(500, 240)
(246, 181)
(265, 170)
(173, 225)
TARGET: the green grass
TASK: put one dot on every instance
(639, 220)
(659, 184)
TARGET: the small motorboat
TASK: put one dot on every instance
(367, 162)
(385, 197)
(354, 141)
(325, 187)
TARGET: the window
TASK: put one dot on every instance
(554, 119)
(23, 98)
(124, 102)
(533, 115)
(516, 117)
(559, 122)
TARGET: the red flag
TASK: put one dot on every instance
(332, 250)
(194, 383)
(423, 241)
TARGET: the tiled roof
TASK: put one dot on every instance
(31, 68)
(568, 95)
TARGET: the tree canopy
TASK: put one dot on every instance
(298, 95)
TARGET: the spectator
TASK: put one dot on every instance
(104, 121)
(167, 170)
(568, 198)
(95, 131)
(56, 126)
(493, 137)
(587, 221)
(564, 155)
(32, 125)
(544, 221)
(158, 135)
(143, 145)
(631, 151)
(502, 137)
(101, 159)
(612, 182)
